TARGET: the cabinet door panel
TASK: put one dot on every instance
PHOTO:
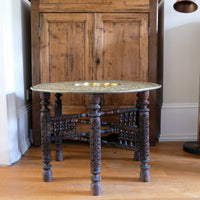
(65, 53)
(122, 49)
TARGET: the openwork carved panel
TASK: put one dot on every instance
(66, 126)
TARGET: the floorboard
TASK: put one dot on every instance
(174, 173)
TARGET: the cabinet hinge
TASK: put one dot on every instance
(39, 32)
(149, 31)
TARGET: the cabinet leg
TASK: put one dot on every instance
(45, 136)
(95, 143)
(136, 156)
(59, 153)
(144, 135)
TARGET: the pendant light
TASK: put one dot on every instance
(185, 6)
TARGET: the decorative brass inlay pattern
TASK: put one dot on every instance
(105, 86)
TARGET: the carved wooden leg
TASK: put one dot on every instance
(144, 135)
(136, 156)
(57, 112)
(45, 136)
(58, 105)
(95, 143)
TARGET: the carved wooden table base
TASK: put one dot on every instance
(132, 129)
(95, 137)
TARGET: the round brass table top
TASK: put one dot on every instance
(94, 86)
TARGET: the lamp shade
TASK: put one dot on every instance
(185, 6)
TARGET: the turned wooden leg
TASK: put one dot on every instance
(95, 143)
(57, 112)
(45, 136)
(144, 135)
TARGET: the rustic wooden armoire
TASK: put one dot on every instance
(93, 40)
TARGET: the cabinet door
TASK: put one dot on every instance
(66, 49)
(121, 52)
(70, 44)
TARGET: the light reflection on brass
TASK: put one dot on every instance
(96, 84)
(114, 84)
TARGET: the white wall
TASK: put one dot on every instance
(14, 79)
(179, 114)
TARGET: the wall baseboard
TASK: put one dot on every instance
(177, 137)
(23, 122)
(18, 121)
(22, 109)
(179, 122)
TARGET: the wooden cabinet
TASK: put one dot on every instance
(93, 40)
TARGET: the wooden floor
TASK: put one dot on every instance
(175, 175)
